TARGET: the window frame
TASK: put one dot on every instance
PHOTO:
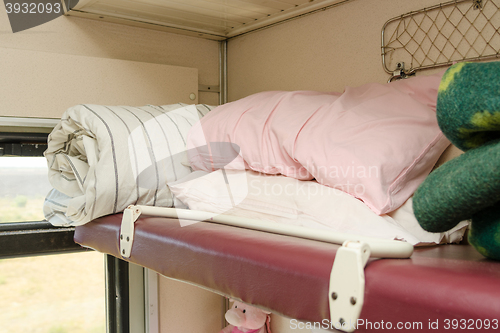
(28, 137)
(19, 239)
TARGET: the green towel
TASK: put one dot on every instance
(467, 187)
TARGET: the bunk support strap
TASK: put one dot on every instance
(347, 284)
(130, 215)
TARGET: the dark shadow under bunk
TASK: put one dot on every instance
(447, 284)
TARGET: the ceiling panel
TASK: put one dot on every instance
(214, 19)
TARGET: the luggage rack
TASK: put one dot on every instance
(459, 30)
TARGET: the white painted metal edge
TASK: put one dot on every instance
(347, 285)
(28, 122)
(151, 301)
(380, 248)
(137, 323)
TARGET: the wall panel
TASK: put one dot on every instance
(52, 83)
(75, 36)
(186, 308)
(325, 51)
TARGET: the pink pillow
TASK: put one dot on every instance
(376, 142)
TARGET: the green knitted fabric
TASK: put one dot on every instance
(467, 187)
(459, 188)
(484, 234)
(468, 104)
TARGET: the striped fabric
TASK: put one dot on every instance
(103, 158)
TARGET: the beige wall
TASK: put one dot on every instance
(85, 37)
(186, 308)
(325, 51)
(44, 84)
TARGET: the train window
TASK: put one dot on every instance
(23, 187)
(48, 282)
(23, 170)
(60, 293)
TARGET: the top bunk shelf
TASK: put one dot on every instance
(439, 286)
(210, 19)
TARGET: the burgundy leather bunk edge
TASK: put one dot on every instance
(247, 264)
(290, 276)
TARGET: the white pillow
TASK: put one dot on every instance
(303, 203)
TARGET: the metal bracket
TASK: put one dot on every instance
(130, 215)
(401, 73)
(347, 284)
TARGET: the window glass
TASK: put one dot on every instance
(23, 186)
(62, 293)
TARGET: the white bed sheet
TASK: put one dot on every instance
(302, 203)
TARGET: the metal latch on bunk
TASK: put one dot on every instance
(347, 284)
(130, 215)
(401, 73)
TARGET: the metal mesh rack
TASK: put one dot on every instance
(458, 30)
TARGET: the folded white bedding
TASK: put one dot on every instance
(103, 158)
(303, 203)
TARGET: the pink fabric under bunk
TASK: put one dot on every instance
(290, 276)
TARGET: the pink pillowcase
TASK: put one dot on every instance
(376, 142)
